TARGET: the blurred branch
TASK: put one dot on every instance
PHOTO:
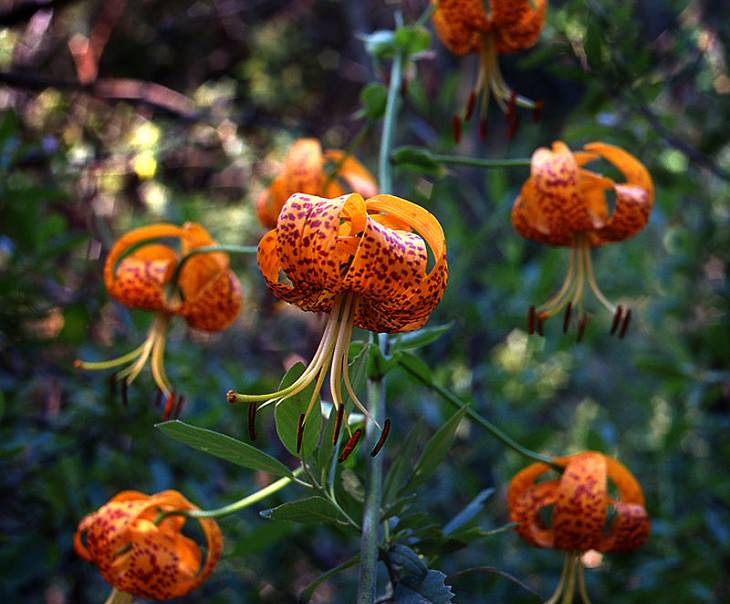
(22, 11)
(148, 93)
(87, 52)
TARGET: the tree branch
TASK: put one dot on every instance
(22, 11)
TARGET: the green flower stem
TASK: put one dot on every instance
(236, 506)
(462, 160)
(209, 249)
(484, 423)
(368, 574)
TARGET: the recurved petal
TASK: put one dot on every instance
(216, 305)
(303, 167)
(529, 221)
(201, 269)
(525, 499)
(460, 24)
(634, 198)
(580, 510)
(628, 487)
(137, 266)
(304, 296)
(517, 25)
(386, 306)
(357, 176)
(629, 530)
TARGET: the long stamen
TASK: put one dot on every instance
(122, 360)
(566, 318)
(616, 319)
(130, 373)
(382, 439)
(567, 566)
(585, 249)
(336, 369)
(252, 408)
(321, 357)
(350, 445)
(577, 300)
(300, 431)
(582, 591)
(625, 325)
(555, 304)
(157, 362)
(569, 591)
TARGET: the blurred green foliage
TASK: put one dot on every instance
(77, 169)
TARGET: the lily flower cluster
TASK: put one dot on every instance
(490, 28)
(562, 204)
(364, 263)
(136, 542)
(580, 508)
(138, 271)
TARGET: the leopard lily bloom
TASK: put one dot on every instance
(141, 551)
(136, 274)
(362, 262)
(304, 171)
(580, 505)
(563, 204)
(507, 26)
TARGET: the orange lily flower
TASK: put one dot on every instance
(466, 27)
(362, 262)
(562, 204)
(580, 503)
(136, 273)
(141, 551)
(304, 172)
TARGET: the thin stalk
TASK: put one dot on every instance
(463, 160)
(349, 151)
(236, 506)
(484, 423)
(368, 574)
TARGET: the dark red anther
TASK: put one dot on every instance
(581, 327)
(537, 111)
(566, 318)
(125, 400)
(178, 407)
(338, 423)
(169, 402)
(300, 431)
(531, 320)
(231, 396)
(482, 128)
(616, 319)
(540, 323)
(470, 104)
(456, 128)
(382, 439)
(512, 106)
(404, 86)
(252, 409)
(625, 325)
(350, 445)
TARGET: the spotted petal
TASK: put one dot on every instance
(460, 24)
(525, 499)
(134, 275)
(517, 23)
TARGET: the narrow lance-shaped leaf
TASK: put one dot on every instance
(287, 412)
(223, 446)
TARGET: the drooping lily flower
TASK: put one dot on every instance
(580, 506)
(506, 26)
(362, 262)
(305, 171)
(141, 551)
(136, 274)
(563, 204)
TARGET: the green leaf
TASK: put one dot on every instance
(309, 590)
(358, 367)
(416, 159)
(373, 98)
(593, 46)
(469, 512)
(415, 364)
(400, 470)
(286, 416)
(326, 447)
(412, 39)
(313, 509)
(436, 449)
(223, 446)
(420, 338)
(428, 589)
